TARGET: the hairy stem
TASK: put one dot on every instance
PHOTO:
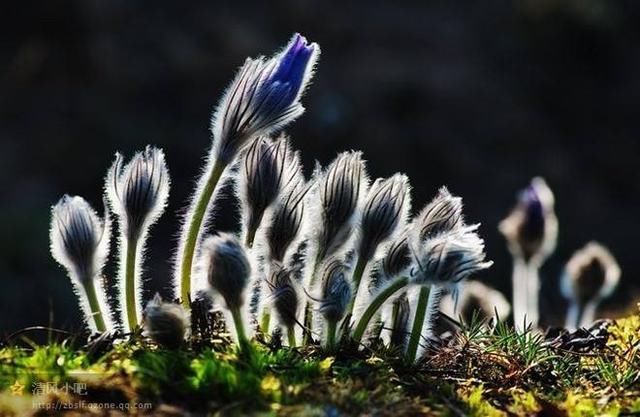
(357, 277)
(332, 327)
(291, 336)
(418, 321)
(239, 325)
(193, 230)
(264, 323)
(375, 304)
(96, 313)
(129, 284)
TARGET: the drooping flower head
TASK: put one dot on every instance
(227, 268)
(79, 238)
(166, 323)
(449, 258)
(263, 98)
(591, 274)
(386, 206)
(531, 228)
(284, 295)
(268, 168)
(341, 188)
(138, 191)
(336, 292)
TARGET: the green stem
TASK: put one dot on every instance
(264, 323)
(357, 277)
(193, 230)
(239, 324)
(94, 305)
(129, 284)
(331, 334)
(375, 304)
(252, 230)
(418, 321)
(291, 335)
(308, 311)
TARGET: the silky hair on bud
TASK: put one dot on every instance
(166, 324)
(227, 268)
(443, 214)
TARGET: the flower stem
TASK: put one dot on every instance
(291, 335)
(129, 284)
(264, 323)
(239, 325)
(96, 314)
(331, 334)
(375, 304)
(193, 230)
(418, 321)
(357, 277)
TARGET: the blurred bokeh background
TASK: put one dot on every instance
(480, 96)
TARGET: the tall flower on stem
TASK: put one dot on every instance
(137, 193)
(531, 231)
(80, 243)
(386, 207)
(228, 271)
(264, 97)
(590, 276)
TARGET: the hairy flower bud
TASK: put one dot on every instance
(449, 258)
(264, 97)
(287, 219)
(591, 274)
(227, 268)
(443, 214)
(166, 323)
(268, 168)
(400, 320)
(531, 229)
(386, 207)
(336, 292)
(79, 238)
(398, 257)
(138, 191)
(284, 295)
(341, 189)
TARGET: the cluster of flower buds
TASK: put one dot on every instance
(308, 251)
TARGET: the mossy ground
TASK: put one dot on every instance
(479, 373)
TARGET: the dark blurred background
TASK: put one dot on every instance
(480, 96)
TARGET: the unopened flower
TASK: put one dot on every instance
(284, 296)
(80, 243)
(341, 189)
(398, 257)
(386, 206)
(137, 193)
(590, 276)
(166, 323)
(264, 97)
(443, 214)
(227, 267)
(531, 229)
(287, 219)
(336, 292)
(268, 168)
(449, 258)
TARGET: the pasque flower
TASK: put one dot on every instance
(137, 193)
(80, 243)
(166, 323)
(263, 97)
(590, 276)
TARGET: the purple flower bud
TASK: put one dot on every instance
(336, 292)
(443, 214)
(531, 228)
(264, 97)
(398, 257)
(166, 323)
(284, 295)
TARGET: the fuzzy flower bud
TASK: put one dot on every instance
(227, 268)
(79, 238)
(264, 97)
(284, 295)
(341, 189)
(336, 292)
(166, 323)
(449, 258)
(287, 219)
(398, 257)
(591, 274)
(268, 168)
(531, 229)
(386, 207)
(443, 214)
(138, 191)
